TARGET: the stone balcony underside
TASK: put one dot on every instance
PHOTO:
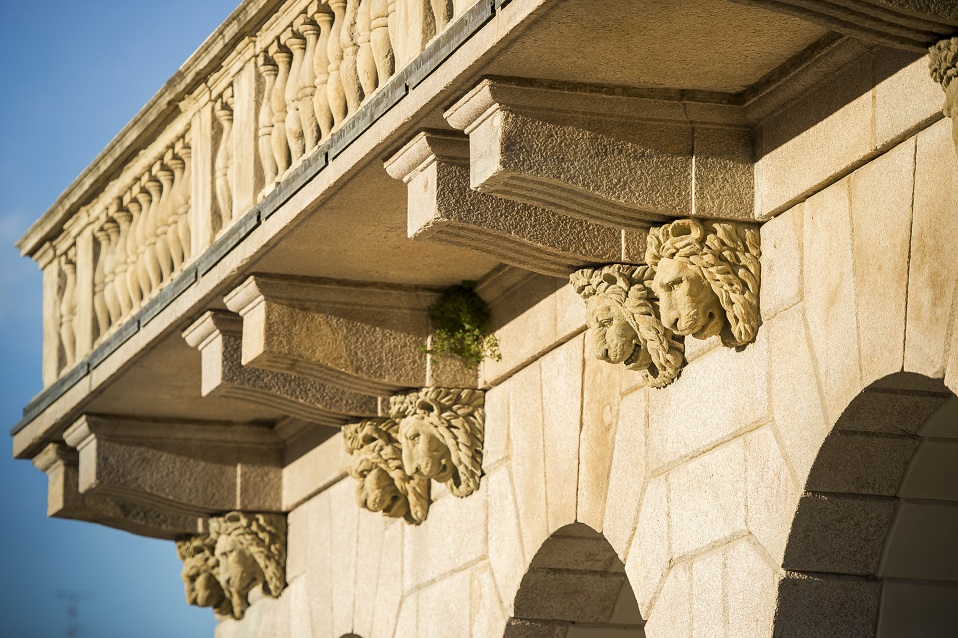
(347, 250)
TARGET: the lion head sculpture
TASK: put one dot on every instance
(383, 484)
(623, 323)
(440, 433)
(201, 574)
(943, 64)
(707, 277)
(250, 550)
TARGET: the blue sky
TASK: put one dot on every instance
(76, 73)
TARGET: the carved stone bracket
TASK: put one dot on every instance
(65, 500)
(180, 469)
(241, 552)
(432, 434)
(443, 207)
(218, 336)
(702, 280)
(608, 156)
(360, 338)
(943, 64)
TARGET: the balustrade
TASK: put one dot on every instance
(309, 70)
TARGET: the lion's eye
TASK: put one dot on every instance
(675, 284)
(605, 323)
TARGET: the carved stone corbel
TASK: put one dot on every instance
(377, 465)
(622, 316)
(609, 156)
(707, 276)
(241, 552)
(943, 64)
(218, 336)
(442, 207)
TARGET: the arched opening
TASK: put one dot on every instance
(873, 550)
(575, 587)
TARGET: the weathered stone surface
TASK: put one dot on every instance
(628, 474)
(388, 593)
(844, 606)
(371, 540)
(772, 494)
(830, 296)
(708, 594)
(485, 609)
(320, 557)
(444, 607)
(506, 556)
(561, 372)
(529, 474)
(861, 464)
(889, 412)
(582, 596)
(651, 549)
(782, 262)
(906, 98)
(344, 550)
(496, 432)
(671, 617)
(750, 586)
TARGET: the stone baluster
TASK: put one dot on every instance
(307, 83)
(68, 308)
(269, 70)
(121, 286)
(348, 70)
(324, 113)
(365, 60)
(379, 40)
(334, 85)
(109, 269)
(184, 152)
(177, 165)
(283, 58)
(132, 253)
(143, 230)
(442, 12)
(294, 123)
(100, 310)
(164, 217)
(394, 26)
(223, 163)
(153, 270)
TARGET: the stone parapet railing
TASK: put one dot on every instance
(301, 70)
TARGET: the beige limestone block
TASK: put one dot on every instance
(772, 494)
(708, 594)
(906, 97)
(796, 400)
(781, 263)
(529, 472)
(372, 528)
(830, 296)
(751, 586)
(452, 537)
(601, 395)
(485, 609)
(297, 543)
(506, 556)
(496, 431)
(570, 311)
(561, 411)
(406, 623)
(651, 550)
(933, 270)
(707, 498)
(818, 136)
(881, 204)
(314, 471)
(300, 622)
(671, 617)
(344, 549)
(721, 394)
(628, 475)
(444, 607)
(389, 591)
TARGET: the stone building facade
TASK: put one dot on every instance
(713, 240)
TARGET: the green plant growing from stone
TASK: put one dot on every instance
(460, 322)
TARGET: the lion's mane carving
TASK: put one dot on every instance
(943, 61)
(383, 484)
(441, 434)
(728, 256)
(654, 351)
(201, 574)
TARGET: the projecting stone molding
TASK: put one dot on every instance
(357, 337)
(442, 207)
(702, 280)
(241, 552)
(218, 336)
(943, 64)
(608, 155)
(433, 434)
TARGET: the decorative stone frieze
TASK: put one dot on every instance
(707, 276)
(441, 433)
(623, 321)
(241, 552)
(383, 483)
(218, 337)
(442, 207)
(943, 63)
